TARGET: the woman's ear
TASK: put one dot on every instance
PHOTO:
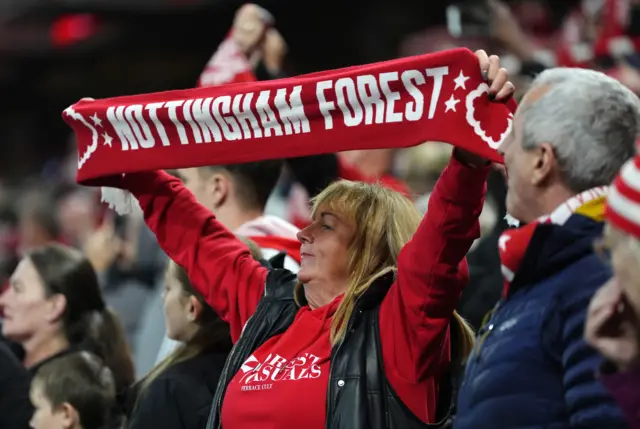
(194, 310)
(57, 304)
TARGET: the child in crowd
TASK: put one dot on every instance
(75, 391)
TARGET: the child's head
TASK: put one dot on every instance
(75, 391)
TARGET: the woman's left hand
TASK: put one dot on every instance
(500, 89)
(497, 77)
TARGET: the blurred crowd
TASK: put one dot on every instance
(130, 320)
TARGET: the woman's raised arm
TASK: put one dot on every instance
(218, 264)
(432, 272)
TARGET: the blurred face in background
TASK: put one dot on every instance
(196, 182)
(78, 215)
(625, 261)
(27, 309)
(179, 311)
(628, 75)
(372, 162)
(32, 233)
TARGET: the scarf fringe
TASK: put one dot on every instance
(511, 221)
(119, 200)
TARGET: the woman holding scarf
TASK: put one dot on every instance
(366, 334)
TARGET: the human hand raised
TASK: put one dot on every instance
(249, 27)
(500, 89)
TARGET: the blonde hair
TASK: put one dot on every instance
(384, 222)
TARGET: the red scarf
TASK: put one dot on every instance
(399, 103)
(513, 243)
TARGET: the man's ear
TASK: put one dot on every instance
(219, 188)
(56, 306)
(545, 163)
(68, 416)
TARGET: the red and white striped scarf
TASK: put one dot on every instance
(513, 243)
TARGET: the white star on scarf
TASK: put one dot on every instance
(96, 120)
(107, 139)
(460, 81)
(451, 103)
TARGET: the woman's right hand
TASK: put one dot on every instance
(612, 326)
(500, 89)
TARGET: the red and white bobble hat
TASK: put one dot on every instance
(623, 200)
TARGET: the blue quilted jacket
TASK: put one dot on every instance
(531, 368)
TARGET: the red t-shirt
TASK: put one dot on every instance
(288, 372)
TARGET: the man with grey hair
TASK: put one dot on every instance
(531, 368)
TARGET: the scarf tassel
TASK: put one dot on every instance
(119, 200)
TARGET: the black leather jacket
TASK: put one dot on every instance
(359, 395)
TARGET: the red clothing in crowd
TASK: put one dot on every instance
(349, 172)
(283, 384)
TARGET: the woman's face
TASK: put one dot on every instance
(27, 309)
(179, 311)
(625, 262)
(325, 249)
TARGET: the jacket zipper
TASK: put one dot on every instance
(333, 354)
(487, 330)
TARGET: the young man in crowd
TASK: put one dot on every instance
(531, 367)
(238, 195)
